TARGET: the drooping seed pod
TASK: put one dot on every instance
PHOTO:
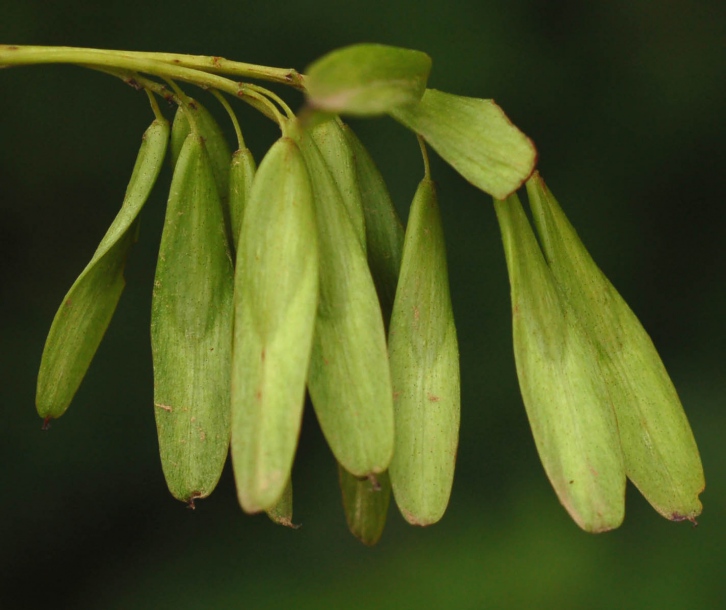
(365, 502)
(349, 378)
(661, 456)
(191, 329)
(215, 142)
(475, 137)
(338, 154)
(84, 316)
(384, 230)
(281, 512)
(562, 385)
(366, 505)
(276, 298)
(241, 174)
(424, 358)
(218, 150)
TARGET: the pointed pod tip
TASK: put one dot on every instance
(46, 423)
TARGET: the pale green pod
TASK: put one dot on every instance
(349, 378)
(215, 142)
(384, 230)
(241, 174)
(281, 512)
(191, 330)
(562, 385)
(365, 502)
(338, 154)
(475, 137)
(276, 297)
(84, 316)
(661, 456)
(424, 357)
(218, 150)
(367, 79)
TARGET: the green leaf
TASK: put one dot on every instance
(661, 456)
(475, 137)
(191, 329)
(562, 385)
(84, 316)
(424, 357)
(365, 502)
(276, 297)
(367, 79)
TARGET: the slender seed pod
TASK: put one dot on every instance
(241, 175)
(366, 505)
(281, 512)
(349, 378)
(365, 502)
(84, 316)
(384, 230)
(276, 297)
(424, 356)
(191, 329)
(661, 456)
(218, 150)
(338, 154)
(563, 388)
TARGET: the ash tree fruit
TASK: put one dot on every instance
(298, 278)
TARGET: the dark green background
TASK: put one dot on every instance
(625, 101)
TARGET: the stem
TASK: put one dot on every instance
(93, 58)
(273, 96)
(155, 106)
(425, 155)
(206, 63)
(233, 117)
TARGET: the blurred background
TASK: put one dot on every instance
(625, 101)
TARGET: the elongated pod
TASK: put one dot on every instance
(424, 356)
(241, 175)
(191, 329)
(276, 297)
(338, 154)
(349, 378)
(281, 511)
(365, 502)
(87, 308)
(562, 385)
(193, 117)
(661, 456)
(384, 230)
